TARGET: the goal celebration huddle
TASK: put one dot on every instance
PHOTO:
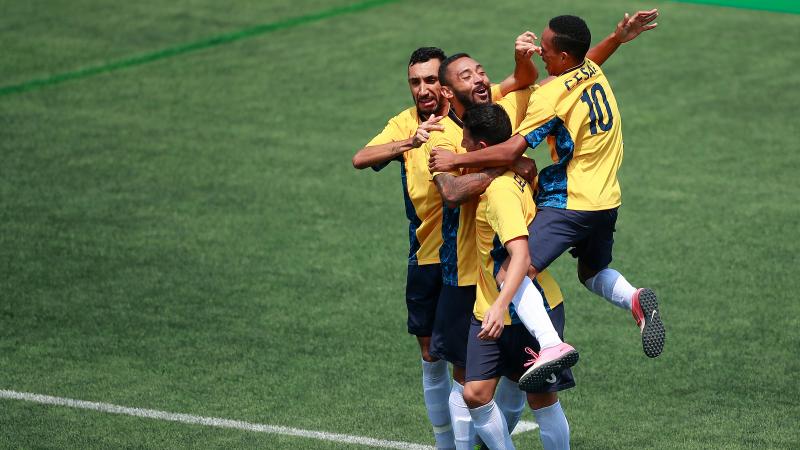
(485, 225)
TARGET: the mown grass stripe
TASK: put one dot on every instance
(784, 6)
(191, 47)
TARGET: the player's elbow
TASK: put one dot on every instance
(359, 162)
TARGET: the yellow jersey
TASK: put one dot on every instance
(504, 212)
(457, 253)
(422, 200)
(578, 115)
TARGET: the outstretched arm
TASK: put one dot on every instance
(525, 72)
(627, 29)
(379, 154)
(499, 155)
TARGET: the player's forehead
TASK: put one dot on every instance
(547, 37)
(463, 65)
(425, 69)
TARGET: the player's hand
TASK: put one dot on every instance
(526, 168)
(493, 323)
(442, 160)
(631, 26)
(424, 130)
(525, 46)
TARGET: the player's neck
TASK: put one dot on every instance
(571, 68)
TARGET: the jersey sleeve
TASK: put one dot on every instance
(515, 105)
(392, 132)
(442, 141)
(497, 94)
(504, 213)
(540, 119)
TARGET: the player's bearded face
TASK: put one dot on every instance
(470, 84)
(423, 80)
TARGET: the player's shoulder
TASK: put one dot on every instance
(506, 183)
(407, 118)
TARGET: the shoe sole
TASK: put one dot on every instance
(653, 333)
(534, 379)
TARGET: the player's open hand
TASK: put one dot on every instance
(525, 45)
(493, 323)
(424, 130)
(631, 26)
(442, 160)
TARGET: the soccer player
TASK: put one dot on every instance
(498, 343)
(578, 196)
(400, 140)
(464, 83)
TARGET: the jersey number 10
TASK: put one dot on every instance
(596, 116)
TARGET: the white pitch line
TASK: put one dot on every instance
(521, 427)
(210, 421)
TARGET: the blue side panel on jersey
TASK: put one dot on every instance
(413, 220)
(448, 252)
(553, 178)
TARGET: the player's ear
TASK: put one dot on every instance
(483, 144)
(447, 92)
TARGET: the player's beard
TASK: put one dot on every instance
(468, 100)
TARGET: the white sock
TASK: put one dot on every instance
(529, 306)
(553, 427)
(612, 286)
(511, 401)
(463, 430)
(491, 426)
(436, 387)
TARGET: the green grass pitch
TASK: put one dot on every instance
(188, 234)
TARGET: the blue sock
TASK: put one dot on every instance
(553, 427)
(436, 387)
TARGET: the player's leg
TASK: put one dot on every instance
(553, 425)
(422, 293)
(511, 401)
(484, 367)
(550, 234)
(449, 343)
(594, 256)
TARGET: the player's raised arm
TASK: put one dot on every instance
(525, 72)
(378, 154)
(627, 29)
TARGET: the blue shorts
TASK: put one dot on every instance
(590, 235)
(507, 356)
(422, 293)
(451, 328)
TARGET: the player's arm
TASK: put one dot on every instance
(456, 190)
(378, 154)
(627, 29)
(525, 72)
(499, 155)
(520, 260)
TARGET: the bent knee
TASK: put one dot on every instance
(476, 397)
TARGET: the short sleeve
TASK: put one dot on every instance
(392, 132)
(440, 140)
(540, 118)
(504, 213)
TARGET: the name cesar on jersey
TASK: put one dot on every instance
(580, 75)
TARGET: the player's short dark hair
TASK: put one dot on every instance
(443, 67)
(488, 123)
(572, 35)
(425, 54)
